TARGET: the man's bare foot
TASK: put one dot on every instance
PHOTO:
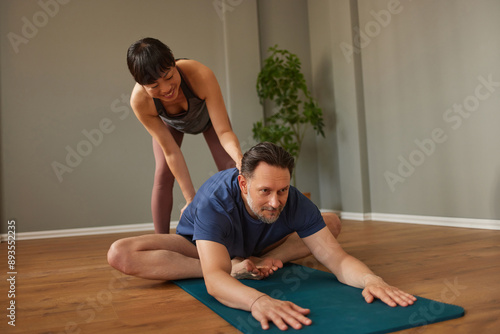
(245, 269)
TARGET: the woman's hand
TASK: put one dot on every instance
(238, 165)
(184, 208)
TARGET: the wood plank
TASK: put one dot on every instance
(64, 285)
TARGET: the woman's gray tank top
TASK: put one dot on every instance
(194, 120)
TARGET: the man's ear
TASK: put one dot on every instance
(243, 184)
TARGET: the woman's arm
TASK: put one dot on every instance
(145, 111)
(205, 85)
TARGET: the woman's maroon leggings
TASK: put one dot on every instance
(162, 196)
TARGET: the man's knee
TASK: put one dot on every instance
(119, 256)
(333, 222)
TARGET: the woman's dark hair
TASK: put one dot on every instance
(269, 153)
(148, 59)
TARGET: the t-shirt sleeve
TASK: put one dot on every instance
(306, 217)
(211, 223)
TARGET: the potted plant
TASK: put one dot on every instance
(281, 81)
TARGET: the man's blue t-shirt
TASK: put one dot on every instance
(218, 214)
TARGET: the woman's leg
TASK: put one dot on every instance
(221, 158)
(162, 197)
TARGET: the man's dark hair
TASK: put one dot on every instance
(269, 153)
(148, 59)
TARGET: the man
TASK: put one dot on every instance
(248, 225)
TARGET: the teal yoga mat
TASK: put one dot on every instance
(335, 307)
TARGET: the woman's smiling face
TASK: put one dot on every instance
(166, 87)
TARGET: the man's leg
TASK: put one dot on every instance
(156, 256)
(288, 249)
(333, 222)
(293, 248)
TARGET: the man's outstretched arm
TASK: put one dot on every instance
(353, 272)
(216, 266)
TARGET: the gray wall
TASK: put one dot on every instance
(285, 23)
(64, 73)
(338, 86)
(416, 119)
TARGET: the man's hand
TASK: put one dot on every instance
(282, 313)
(267, 266)
(254, 268)
(375, 287)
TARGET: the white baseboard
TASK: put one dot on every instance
(355, 216)
(489, 224)
(75, 232)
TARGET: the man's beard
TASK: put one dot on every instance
(259, 215)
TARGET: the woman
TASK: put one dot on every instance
(172, 97)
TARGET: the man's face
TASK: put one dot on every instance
(266, 193)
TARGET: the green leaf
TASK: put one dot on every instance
(282, 82)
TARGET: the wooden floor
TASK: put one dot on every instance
(65, 285)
